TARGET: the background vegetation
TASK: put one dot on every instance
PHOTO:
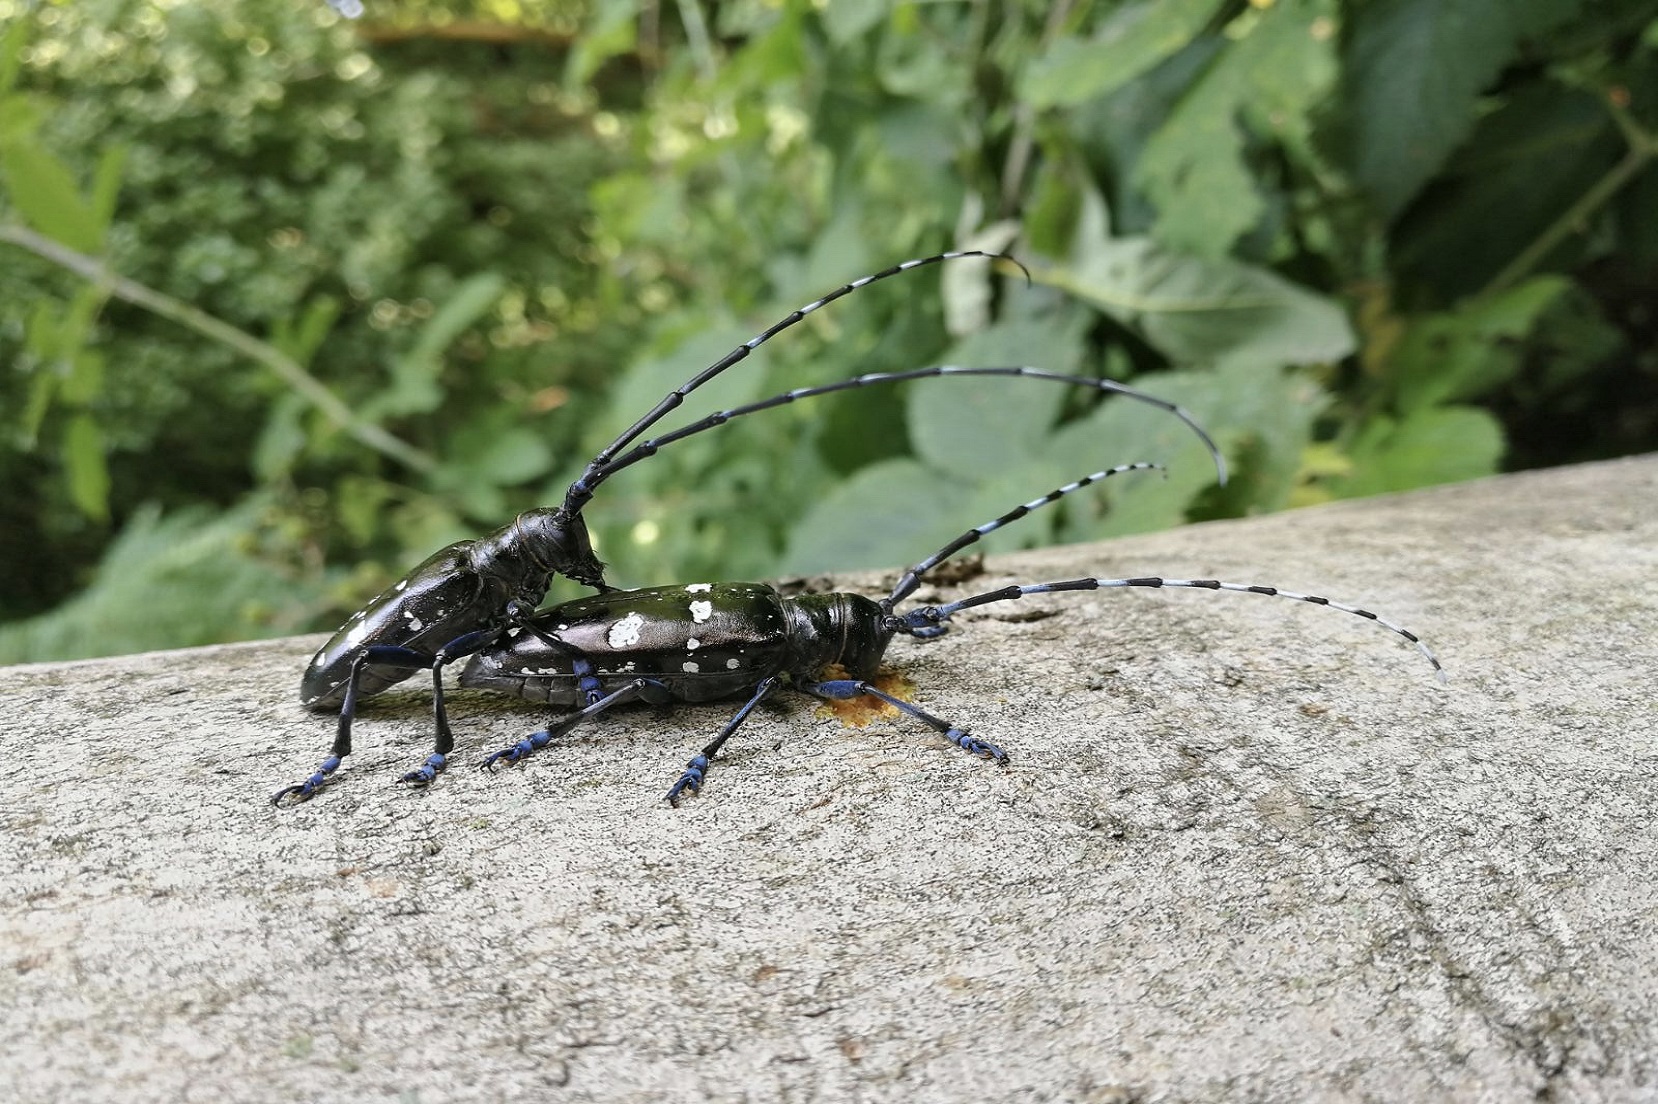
(288, 300)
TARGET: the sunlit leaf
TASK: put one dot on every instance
(43, 190)
(86, 468)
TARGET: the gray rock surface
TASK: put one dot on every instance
(1246, 849)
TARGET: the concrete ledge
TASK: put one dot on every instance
(1246, 849)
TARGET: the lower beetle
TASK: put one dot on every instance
(426, 595)
(704, 641)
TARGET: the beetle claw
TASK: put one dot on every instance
(298, 793)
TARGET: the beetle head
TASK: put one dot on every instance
(559, 543)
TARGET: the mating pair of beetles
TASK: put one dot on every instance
(692, 642)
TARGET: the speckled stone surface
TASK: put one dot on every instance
(1245, 849)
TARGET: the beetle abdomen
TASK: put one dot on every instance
(703, 641)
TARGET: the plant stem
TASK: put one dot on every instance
(285, 367)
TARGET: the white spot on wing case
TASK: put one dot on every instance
(625, 633)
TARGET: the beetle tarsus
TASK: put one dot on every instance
(308, 788)
(520, 751)
(428, 772)
(690, 781)
(972, 745)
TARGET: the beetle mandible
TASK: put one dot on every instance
(464, 596)
(703, 641)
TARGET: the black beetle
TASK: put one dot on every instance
(704, 641)
(465, 596)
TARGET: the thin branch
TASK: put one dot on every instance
(697, 40)
(285, 367)
(1024, 121)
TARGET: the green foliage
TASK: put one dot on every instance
(1372, 244)
(358, 210)
(189, 578)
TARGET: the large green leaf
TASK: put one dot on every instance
(43, 190)
(886, 515)
(1259, 411)
(1525, 163)
(1414, 72)
(1196, 310)
(976, 428)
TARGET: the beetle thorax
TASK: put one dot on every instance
(522, 557)
(848, 630)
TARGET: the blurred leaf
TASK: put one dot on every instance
(359, 501)
(1415, 69)
(1461, 354)
(300, 340)
(1262, 408)
(165, 583)
(888, 514)
(1196, 310)
(43, 190)
(414, 375)
(1529, 160)
(84, 464)
(845, 20)
(611, 30)
(978, 428)
(508, 457)
(11, 51)
(282, 440)
(1277, 71)
(1133, 39)
(1429, 446)
(85, 379)
(966, 284)
(469, 301)
(106, 187)
(650, 379)
(74, 328)
(43, 386)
